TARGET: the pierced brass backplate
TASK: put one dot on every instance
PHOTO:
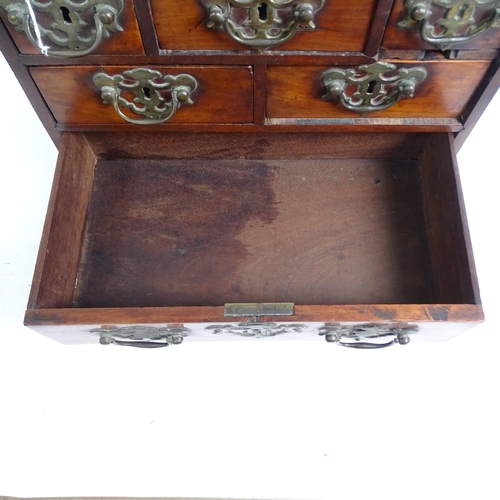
(372, 87)
(65, 28)
(145, 92)
(257, 328)
(446, 23)
(260, 24)
(356, 336)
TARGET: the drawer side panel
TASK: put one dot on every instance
(62, 238)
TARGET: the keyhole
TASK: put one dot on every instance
(147, 92)
(262, 8)
(371, 87)
(65, 14)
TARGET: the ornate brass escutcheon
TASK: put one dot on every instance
(65, 28)
(261, 24)
(372, 87)
(356, 336)
(141, 336)
(445, 23)
(257, 329)
(144, 92)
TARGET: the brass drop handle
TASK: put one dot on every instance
(456, 25)
(368, 345)
(57, 28)
(371, 87)
(155, 97)
(261, 24)
(149, 337)
(141, 344)
(358, 336)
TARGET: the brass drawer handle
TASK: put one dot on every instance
(260, 24)
(142, 91)
(141, 336)
(372, 87)
(358, 336)
(78, 26)
(457, 23)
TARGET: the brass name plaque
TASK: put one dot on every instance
(259, 309)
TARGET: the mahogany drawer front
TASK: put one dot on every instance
(403, 37)
(298, 92)
(170, 227)
(341, 26)
(223, 94)
(121, 42)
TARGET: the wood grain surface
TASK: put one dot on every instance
(224, 94)
(297, 92)
(257, 146)
(449, 241)
(62, 239)
(179, 233)
(485, 92)
(462, 313)
(341, 26)
(379, 22)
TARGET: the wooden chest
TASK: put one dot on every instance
(253, 169)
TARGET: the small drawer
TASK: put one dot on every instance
(335, 233)
(433, 25)
(340, 26)
(106, 27)
(300, 92)
(75, 95)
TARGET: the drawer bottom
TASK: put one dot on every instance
(194, 233)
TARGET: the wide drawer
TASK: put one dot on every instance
(167, 229)
(299, 92)
(341, 26)
(221, 94)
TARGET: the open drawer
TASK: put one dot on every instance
(359, 238)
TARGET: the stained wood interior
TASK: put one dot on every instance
(206, 232)
(64, 229)
(198, 220)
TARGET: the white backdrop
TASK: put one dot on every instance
(247, 420)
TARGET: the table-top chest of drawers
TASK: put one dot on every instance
(234, 168)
